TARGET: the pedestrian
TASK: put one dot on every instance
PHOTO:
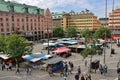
(101, 69)
(10, 66)
(27, 71)
(76, 76)
(61, 72)
(79, 70)
(82, 77)
(69, 70)
(88, 76)
(85, 63)
(64, 75)
(17, 70)
(7, 66)
(30, 71)
(105, 68)
(50, 71)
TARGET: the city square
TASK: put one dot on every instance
(77, 60)
(59, 40)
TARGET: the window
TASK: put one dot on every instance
(7, 24)
(1, 24)
(13, 29)
(26, 18)
(17, 20)
(6, 19)
(12, 18)
(1, 19)
(8, 29)
(22, 20)
(31, 28)
(22, 27)
(12, 24)
(27, 28)
(2, 30)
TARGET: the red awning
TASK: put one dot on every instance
(116, 37)
(61, 50)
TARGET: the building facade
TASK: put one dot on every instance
(57, 17)
(114, 21)
(33, 22)
(104, 21)
(82, 20)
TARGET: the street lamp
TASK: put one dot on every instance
(112, 32)
(48, 38)
(104, 60)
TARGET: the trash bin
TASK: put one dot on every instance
(95, 64)
(112, 51)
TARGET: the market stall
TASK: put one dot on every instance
(63, 52)
(56, 63)
(35, 59)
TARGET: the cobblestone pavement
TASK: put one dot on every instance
(76, 59)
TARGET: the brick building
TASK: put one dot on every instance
(33, 22)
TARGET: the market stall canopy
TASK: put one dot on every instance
(70, 42)
(4, 56)
(77, 46)
(53, 60)
(52, 44)
(61, 50)
(36, 57)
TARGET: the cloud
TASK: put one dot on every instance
(95, 6)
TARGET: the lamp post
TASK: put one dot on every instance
(48, 38)
(112, 33)
(104, 60)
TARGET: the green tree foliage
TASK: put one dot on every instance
(2, 44)
(17, 46)
(86, 33)
(100, 33)
(71, 31)
(89, 50)
(58, 31)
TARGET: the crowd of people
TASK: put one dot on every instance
(6, 66)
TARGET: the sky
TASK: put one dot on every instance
(95, 6)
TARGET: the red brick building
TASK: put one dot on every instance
(32, 21)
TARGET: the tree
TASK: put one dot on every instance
(86, 34)
(100, 33)
(71, 31)
(2, 44)
(58, 31)
(89, 50)
(17, 46)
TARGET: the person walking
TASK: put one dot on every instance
(101, 69)
(79, 70)
(30, 71)
(50, 71)
(85, 63)
(10, 66)
(105, 68)
(82, 77)
(65, 75)
(76, 76)
(17, 70)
